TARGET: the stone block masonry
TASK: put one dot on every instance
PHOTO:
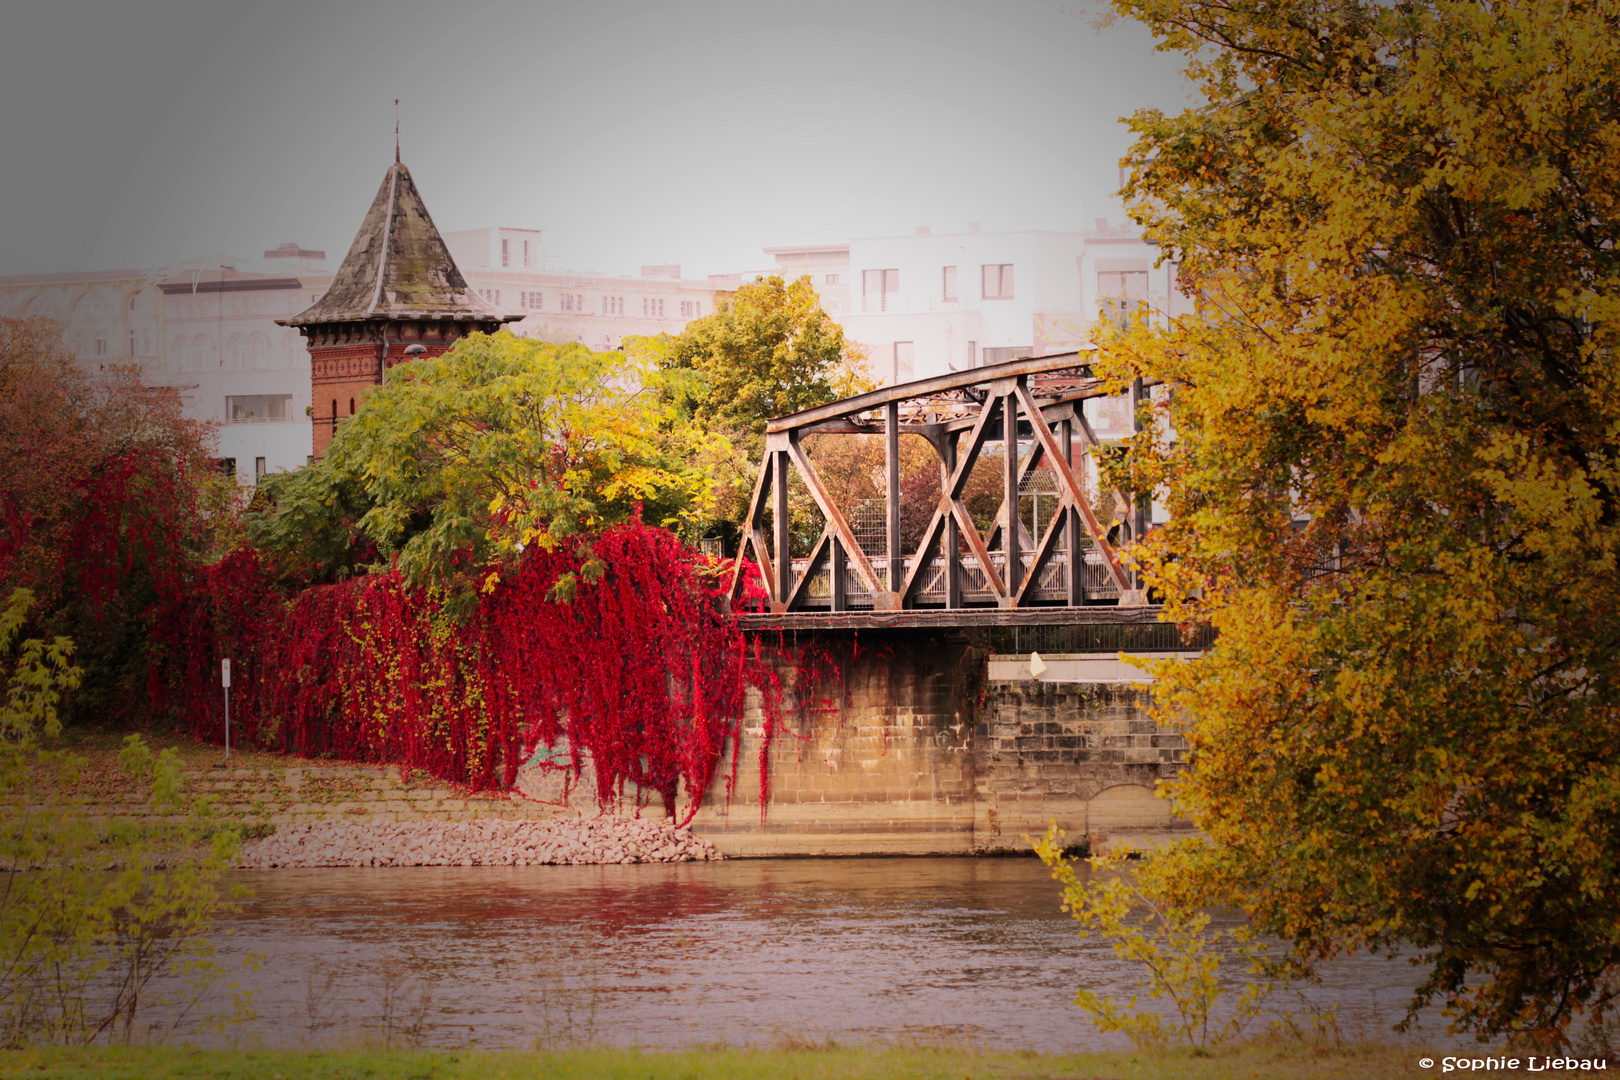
(901, 742)
(361, 794)
(890, 743)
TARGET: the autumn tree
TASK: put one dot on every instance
(460, 461)
(767, 350)
(1395, 481)
(108, 498)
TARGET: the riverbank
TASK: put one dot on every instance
(1254, 1061)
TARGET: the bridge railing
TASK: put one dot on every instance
(973, 584)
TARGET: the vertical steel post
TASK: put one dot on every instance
(836, 563)
(783, 584)
(1009, 442)
(1072, 529)
(951, 542)
(891, 461)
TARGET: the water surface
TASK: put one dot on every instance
(756, 952)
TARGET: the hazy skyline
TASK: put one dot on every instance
(629, 132)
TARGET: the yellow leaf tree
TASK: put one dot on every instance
(1390, 448)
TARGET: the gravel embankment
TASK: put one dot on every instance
(559, 841)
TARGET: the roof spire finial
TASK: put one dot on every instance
(396, 131)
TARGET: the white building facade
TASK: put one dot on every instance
(203, 327)
(930, 302)
(507, 269)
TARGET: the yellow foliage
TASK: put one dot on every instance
(1395, 478)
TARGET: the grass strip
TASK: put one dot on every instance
(1254, 1061)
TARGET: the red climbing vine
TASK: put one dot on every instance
(642, 675)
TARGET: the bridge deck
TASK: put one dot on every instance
(926, 618)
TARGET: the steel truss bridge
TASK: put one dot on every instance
(955, 575)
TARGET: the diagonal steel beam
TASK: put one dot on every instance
(1072, 490)
(754, 533)
(835, 517)
(817, 553)
(1043, 552)
(950, 505)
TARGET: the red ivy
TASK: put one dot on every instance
(643, 674)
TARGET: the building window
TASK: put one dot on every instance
(691, 309)
(258, 469)
(526, 260)
(530, 300)
(259, 408)
(878, 286)
(101, 344)
(652, 308)
(506, 252)
(351, 406)
(973, 354)
(613, 305)
(904, 365)
(948, 288)
(40, 307)
(1118, 292)
(493, 296)
(832, 279)
(998, 281)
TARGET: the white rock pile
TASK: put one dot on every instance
(558, 841)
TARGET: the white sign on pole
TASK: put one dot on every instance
(225, 674)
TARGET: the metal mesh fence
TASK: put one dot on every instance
(1144, 638)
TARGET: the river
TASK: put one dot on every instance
(748, 952)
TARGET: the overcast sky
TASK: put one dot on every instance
(631, 132)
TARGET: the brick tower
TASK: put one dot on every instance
(397, 287)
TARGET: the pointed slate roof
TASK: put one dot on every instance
(398, 268)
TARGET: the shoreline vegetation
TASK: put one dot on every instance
(1258, 1060)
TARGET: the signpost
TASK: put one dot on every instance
(225, 681)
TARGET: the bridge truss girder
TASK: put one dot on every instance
(996, 403)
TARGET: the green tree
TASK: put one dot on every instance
(1396, 481)
(461, 460)
(767, 350)
(103, 925)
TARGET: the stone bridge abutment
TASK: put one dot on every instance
(920, 743)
